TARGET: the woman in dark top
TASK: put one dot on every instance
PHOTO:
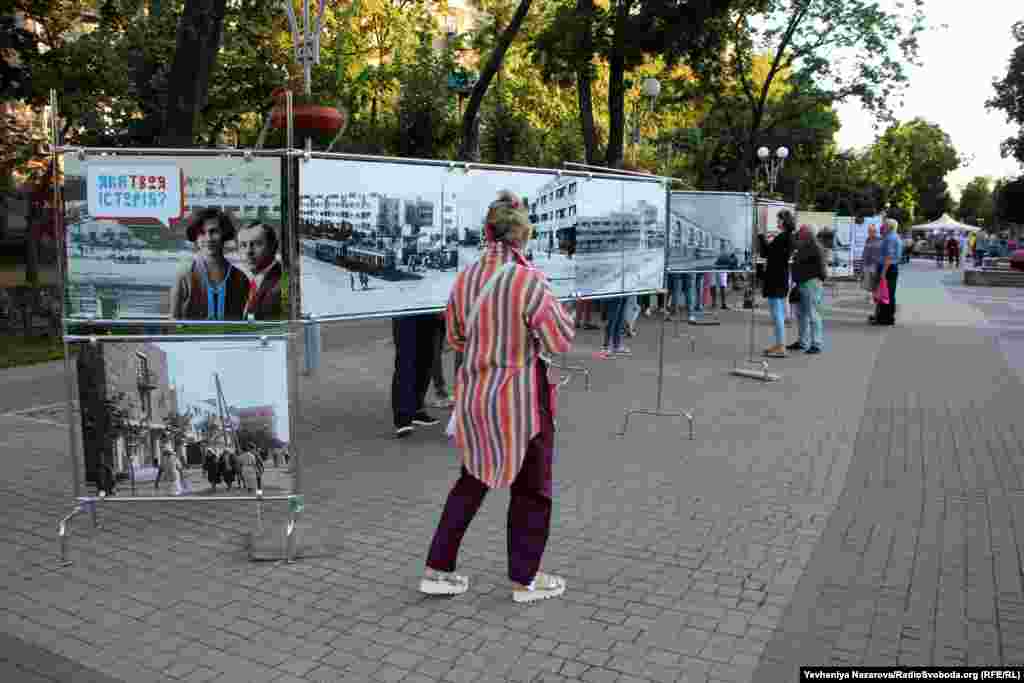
(809, 275)
(776, 277)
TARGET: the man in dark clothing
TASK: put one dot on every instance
(414, 338)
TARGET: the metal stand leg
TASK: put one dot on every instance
(289, 538)
(661, 384)
(64, 532)
(762, 374)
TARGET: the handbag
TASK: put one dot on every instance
(882, 293)
(794, 295)
(474, 312)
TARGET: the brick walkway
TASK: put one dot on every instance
(921, 562)
(732, 558)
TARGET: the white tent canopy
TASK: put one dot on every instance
(947, 223)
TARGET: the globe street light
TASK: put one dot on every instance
(772, 166)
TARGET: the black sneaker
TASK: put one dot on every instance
(814, 349)
(795, 346)
(403, 430)
(423, 420)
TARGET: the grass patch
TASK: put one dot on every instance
(17, 350)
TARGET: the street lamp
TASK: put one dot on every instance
(650, 89)
(306, 38)
(772, 166)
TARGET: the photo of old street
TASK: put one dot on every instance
(183, 418)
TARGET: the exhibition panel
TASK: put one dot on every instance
(184, 417)
(188, 238)
(710, 231)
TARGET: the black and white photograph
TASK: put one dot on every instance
(552, 201)
(187, 239)
(643, 235)
(835, 235)
(185, 418)
(767, 215)
(378, 237)
(599, 250)
(710, 231)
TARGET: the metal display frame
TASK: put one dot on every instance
(466, 167)
(659, 410)
(704, 318)
(90, 504)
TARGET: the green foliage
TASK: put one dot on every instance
(17, 350)
(791, 61)
(910, 161)
(976, 202)
(1009, 96)
(1009, 201)
(427, 126)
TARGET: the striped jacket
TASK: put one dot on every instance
(497, 405)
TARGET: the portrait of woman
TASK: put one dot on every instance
(210, 288)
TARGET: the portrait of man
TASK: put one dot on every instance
(210, 287)
(258, 246)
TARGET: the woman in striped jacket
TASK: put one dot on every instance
(502, 315)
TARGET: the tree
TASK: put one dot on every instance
(425, 126)
(195, 54)
(469, 149)
(1009, 202)
(976, 202)
(627, 36)
(1009, 96)
(830, 51)
(910, 161)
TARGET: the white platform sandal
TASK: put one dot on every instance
(443, 583)
(542, 587)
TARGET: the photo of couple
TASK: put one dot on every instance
(213, 288)
(223, 255)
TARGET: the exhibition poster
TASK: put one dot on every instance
(710, 231)
(185, 418)
(387, 237)
(190, 239)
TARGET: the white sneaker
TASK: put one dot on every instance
(443, 583)
(442, 402)
(544, 586)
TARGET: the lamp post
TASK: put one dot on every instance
(306, 39)
(772, 166)
(650, 89)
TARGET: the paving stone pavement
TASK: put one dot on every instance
(687, 560)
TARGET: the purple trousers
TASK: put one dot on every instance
(529, 508)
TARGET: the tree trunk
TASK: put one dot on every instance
(617, 89)
(195, 53)
(469, 149)
(585, 8)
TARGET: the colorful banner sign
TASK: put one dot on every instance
(134, 189)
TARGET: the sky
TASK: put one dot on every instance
(250, 375)
(958, 64)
